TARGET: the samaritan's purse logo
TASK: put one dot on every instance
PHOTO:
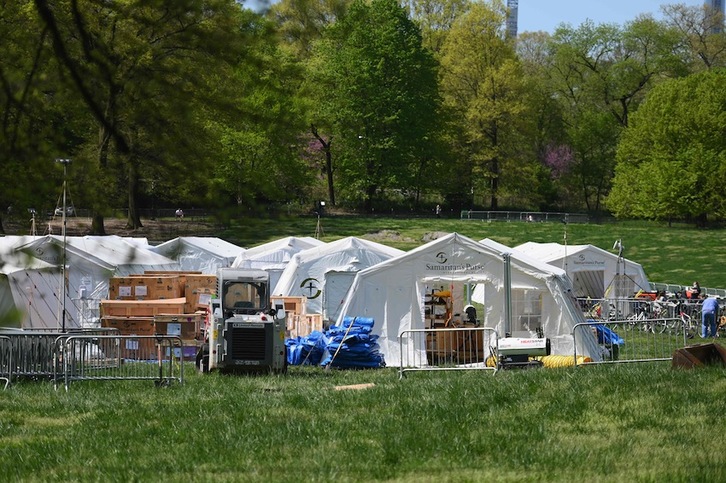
(311, 286)
(441, 257)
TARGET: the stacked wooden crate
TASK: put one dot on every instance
(299, 324)
(159, 303)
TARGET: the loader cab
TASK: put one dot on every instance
(244, 297)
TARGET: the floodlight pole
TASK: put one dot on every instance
(65, 162)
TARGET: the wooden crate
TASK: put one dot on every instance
(141, 308)
(303, 324)
(145, 287)
(292, 305)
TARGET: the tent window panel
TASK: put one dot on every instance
(526, 312)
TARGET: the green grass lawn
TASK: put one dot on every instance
(644, 422)
(679, 254)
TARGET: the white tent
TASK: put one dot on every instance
(393, 294)
(28, 289)
(195, 253)
(595, 273)
(323, 274)
(91, 261)
(274, 256)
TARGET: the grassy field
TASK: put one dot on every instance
(631, 423)
(678, 254)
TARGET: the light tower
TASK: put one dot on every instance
(512, 8)
(65, 162)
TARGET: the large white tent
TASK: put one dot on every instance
(323, 274)
(274, 256)
(393, 294)
(196, 253)
(595, 273)
(91, 261)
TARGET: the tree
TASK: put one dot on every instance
(482, 85)
(376, 85)
(300, 24)
(701, 30)
(671, 161)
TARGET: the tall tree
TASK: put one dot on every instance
(377, 85)
(672, 158)
(482, 84)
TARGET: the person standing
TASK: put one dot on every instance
(438, 211)
(709, 309)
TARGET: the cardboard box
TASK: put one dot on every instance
(142, 287)
(187, 326)
(141, 308)
(141, 349)
(198, 290)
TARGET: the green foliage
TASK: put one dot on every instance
(672, 159)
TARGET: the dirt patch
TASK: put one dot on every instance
(433, 235)
(155, 231)
(384, 236)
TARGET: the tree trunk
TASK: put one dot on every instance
(328, 162)
(134, 219)
(495, 184)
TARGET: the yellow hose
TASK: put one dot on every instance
(549, 362)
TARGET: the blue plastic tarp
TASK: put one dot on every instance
(605, 335)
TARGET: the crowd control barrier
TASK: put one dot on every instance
(448, 349)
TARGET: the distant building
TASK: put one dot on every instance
(512, 9)
(716, 6)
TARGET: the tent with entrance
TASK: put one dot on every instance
(323, 274)
(394, 292)
(91, 262)
(594, 272)
(197, 253)
(274, 256)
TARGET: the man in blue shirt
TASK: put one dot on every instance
(709, 309)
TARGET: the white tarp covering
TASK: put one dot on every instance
(91, 261)
(393, 294)
(274, 256)
(595, 273)
(203, 254)
(306, 274)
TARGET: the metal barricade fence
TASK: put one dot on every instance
(6, 360)
(158, 358)
(456, 348)
(628, 341)
(32, 351)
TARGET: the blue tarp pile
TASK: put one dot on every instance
(358, 349)
(605, 335)
(308, 350)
